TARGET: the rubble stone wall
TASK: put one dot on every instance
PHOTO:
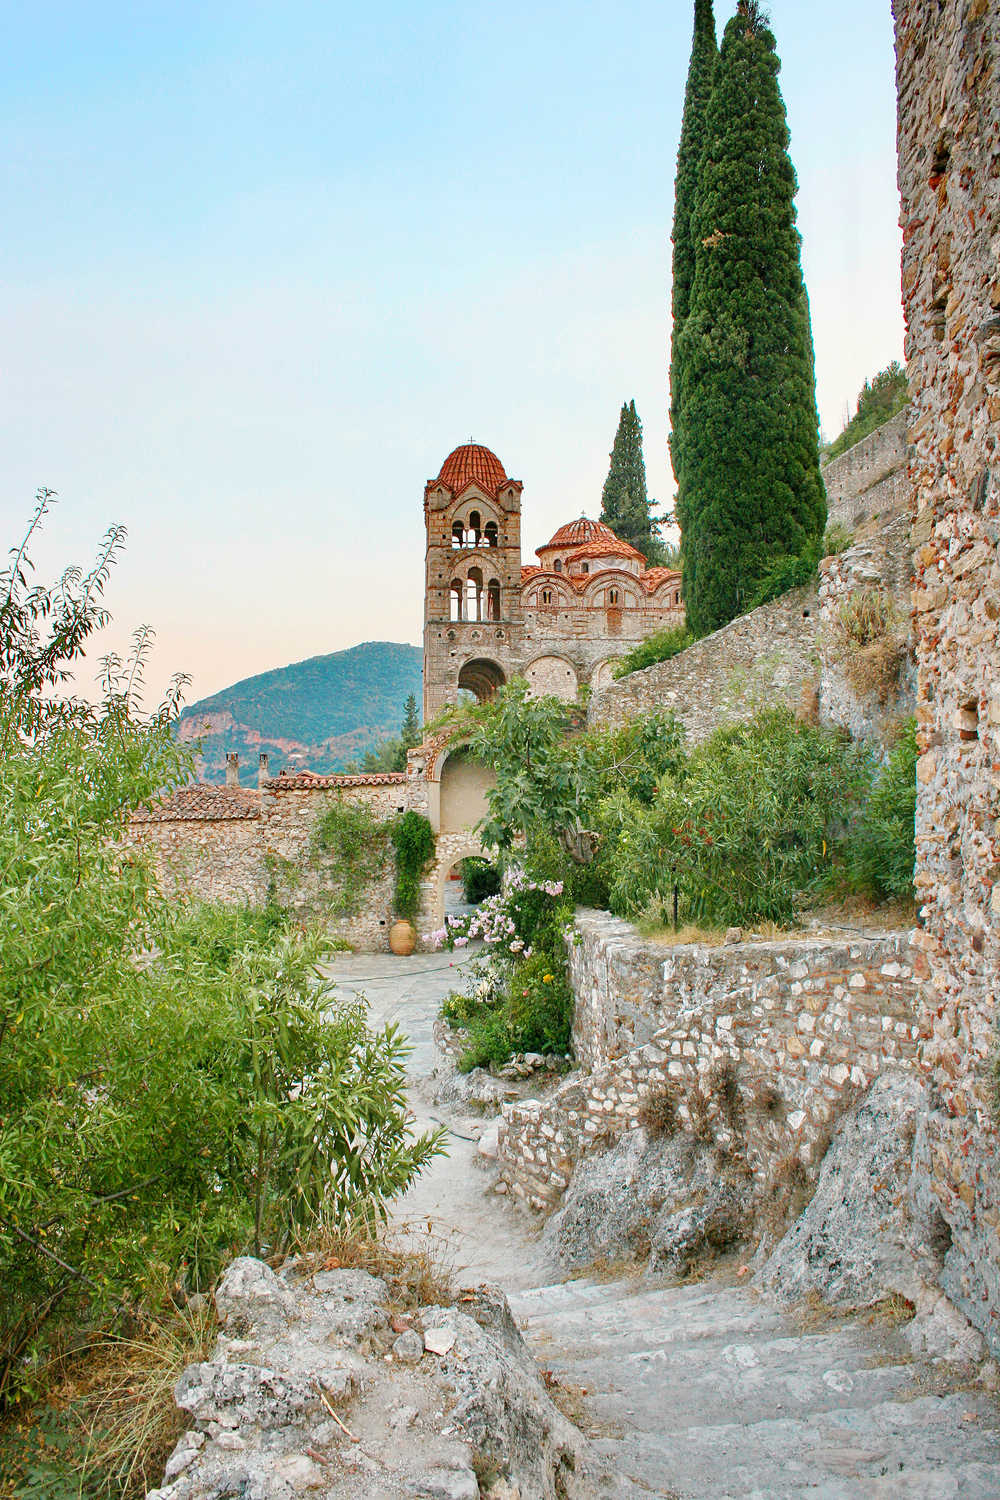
(215, 860)
(871, 479)
(757, 1046)
(948, 81)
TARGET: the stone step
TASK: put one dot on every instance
(839, 1453)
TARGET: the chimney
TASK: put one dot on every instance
(262, 771)
(232, 768)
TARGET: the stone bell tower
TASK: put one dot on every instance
(472, 610)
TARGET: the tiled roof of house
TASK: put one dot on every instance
(529, 571)
(202, 804)
(472, 463)
(309, 781)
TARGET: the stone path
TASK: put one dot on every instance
(703, 1391)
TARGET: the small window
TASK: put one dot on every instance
(546, 596)
(491, 534)
(457, 534)
(612, 596)
(585, 567)
(558, 564)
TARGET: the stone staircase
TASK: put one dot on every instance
(706, 1392)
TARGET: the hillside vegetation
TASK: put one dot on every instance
(328, 711)
(879, 399)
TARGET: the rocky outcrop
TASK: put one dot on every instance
(662, 1202)
(316, 1387)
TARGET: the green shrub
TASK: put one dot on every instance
(480, 879)
(519, 998)
(784, 573)
(748, 830)
(880, 398)
(879, 853)
(836, 538)
(413, 841)
(176, 1086)
(661, 646)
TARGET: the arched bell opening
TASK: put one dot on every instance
(481, 677)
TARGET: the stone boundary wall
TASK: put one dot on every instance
(215, 860)
(763, 657)
(757, 1046)
(783, 652)
(288, 820)
(871, 479)
(948, 83)
(246, 858)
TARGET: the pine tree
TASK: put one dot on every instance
(753, 497)
(625, 506)
(410, 732)
(701, 73)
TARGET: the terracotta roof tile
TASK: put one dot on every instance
(310, 781)
(472, 464)
(202, 804)
(577, 533)
(529, 571)
(654, 578)
(609, 546)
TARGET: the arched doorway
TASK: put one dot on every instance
(481, 677)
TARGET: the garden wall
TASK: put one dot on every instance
(240, 845)
(759, 1045)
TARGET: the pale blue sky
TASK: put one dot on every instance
(263, 266)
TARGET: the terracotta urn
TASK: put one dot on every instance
(402, 938)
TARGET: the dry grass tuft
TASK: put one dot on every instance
(871, 648)
(658, 1113)
(656, 932)
(416, 1258)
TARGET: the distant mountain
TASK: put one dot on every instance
(319, 714)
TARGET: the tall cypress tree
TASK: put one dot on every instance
(624, 502)
(701, 74)
(753, 496)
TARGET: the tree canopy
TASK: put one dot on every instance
(625, 505)
(747, 442)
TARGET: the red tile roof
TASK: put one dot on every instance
(472, 463)
(609, 546)
(202, 804)
(578, 533)
(529, 571)
(309, 781)
(654, 578)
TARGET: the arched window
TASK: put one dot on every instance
(456, 599)
(475, 527)
(491, 535)
(613, 597)
(585, 567)
(474, 595)
(546, 596)
(493, 600)
(557, 565)
(457, 534)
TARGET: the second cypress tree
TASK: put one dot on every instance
(625, 505)
(753, 497)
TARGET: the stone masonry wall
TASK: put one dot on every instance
(289, 819)
(218, 860)
(948, 79)
(763, 657)
(871, 479)
(761, 1046)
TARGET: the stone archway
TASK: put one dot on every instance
(481, 677)
(451, 848)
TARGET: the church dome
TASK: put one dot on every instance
(580, 533)
(472, 464)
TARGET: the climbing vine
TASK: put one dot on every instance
(413, 841)
(350, 847)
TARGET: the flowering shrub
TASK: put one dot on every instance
(519, 999)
